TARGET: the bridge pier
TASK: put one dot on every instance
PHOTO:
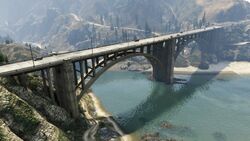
(65, 88)
(165, 53)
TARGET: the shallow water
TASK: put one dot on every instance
(208, 108)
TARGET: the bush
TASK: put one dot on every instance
(228, 55)
(22, 115)
(2, 58)
(244, 54)
(2, 138)
(204, 66)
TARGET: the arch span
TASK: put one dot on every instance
(153, 60)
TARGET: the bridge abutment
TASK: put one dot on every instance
(164, 52)
(65, 88)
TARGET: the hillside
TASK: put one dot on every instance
(62, 25)
(55, 23)
(225, 10)
(17, 52)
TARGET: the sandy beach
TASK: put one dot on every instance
(101, 112)
(240, 68)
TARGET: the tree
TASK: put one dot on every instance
(117, 22)
(3, 58)
(116, 34)
(124, 35)
(136, 20)
(93, 33)
(168, 27)
(111, 23)
(112, 27)
(147, 30)
(102, 19)
(203, 21)
(8, 41)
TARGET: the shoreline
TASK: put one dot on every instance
(102, 112)
(240, 68)
(98, 114)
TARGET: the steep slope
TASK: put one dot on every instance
(24, 121)
(18, 52)
(52, 22)
(225, 10)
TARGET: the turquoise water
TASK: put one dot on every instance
(208, 108)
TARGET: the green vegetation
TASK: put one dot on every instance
(62, 136)
(3, 58)
(22, 114)
(195, 57)
(244, 54)
(35, 83)
(228, 55)
(181, 62)
(17, 52)
(2, 138)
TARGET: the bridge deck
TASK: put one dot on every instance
(27, 66)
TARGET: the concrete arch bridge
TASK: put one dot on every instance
(68, 72)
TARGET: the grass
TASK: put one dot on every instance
(17, 52)
(22, 115)
(62, 136)
(35, 83)
(2, 137)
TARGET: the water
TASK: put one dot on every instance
(209, 108)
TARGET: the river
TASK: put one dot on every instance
(208, 108)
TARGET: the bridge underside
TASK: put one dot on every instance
(64, 80)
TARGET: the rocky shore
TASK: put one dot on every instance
(103, 126)
(240, 68)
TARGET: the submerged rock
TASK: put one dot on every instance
(166, 124)
(155, 137)
(151, 137)
(106, 134)
(218, 136)
(181, 131)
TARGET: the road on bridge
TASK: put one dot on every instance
(53, 60)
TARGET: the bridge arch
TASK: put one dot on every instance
(153, 61)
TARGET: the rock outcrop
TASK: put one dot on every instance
(23, 120)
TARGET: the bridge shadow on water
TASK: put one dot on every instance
(162, 99)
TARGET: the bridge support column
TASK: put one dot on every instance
(165, 53)
(65, 88)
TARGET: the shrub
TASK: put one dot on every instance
(2, 138)
(2, 58)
